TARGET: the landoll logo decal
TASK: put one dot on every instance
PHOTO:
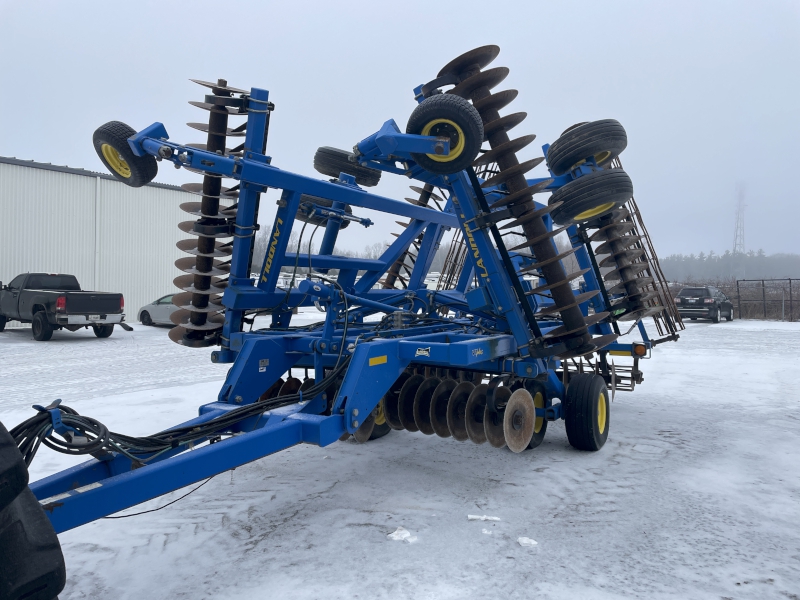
(477, 352)
(423, 352)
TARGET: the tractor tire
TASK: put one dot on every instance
(42, 330)
(103, 331)
(446, 115)
(3, 321)
(111, 144)
(332, 161)
(381, 426)
(601, 140)
(591, 195)
(586, 412)
(146, 319)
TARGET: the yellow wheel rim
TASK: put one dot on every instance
(598, 158)
(538, 402)
(115, 161)
(601, 413)
(380, 416)
(439, 127)
(593, 212)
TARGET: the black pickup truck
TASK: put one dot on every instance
(51, 302)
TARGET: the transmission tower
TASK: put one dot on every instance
(738, 232)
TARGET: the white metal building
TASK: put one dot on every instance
(112, 237)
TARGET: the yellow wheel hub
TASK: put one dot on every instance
(446, 128)
(593, 212)
(538, 402)
(115, 161)
(380, 416)
(601, 413)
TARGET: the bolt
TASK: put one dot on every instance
(341, 411)
(238, 399)
(355, 424)
(323, 345)
(438, 148)
(165, 152)
(355, 412)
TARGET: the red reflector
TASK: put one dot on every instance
(61, 304)
(121, 302)
(708, 301)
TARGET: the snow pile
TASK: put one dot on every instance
(482, 518)
(401, 534)
(526, 542)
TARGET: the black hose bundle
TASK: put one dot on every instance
(89, 436)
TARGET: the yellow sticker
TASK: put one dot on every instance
(378, 360)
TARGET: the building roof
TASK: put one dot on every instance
(74, 171)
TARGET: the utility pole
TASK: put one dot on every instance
(738, 233)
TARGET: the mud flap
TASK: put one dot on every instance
(31, 563)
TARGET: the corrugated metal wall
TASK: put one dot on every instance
(112, 237)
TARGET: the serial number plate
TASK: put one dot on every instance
(93, 317)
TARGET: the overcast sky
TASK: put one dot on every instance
(707, 90)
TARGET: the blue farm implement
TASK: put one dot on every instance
(520, 328)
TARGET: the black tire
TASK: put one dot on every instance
(42, 330)
(717, 317)
(603, 140)
(586, 422)
(3, 321)
(332, 161)
(125, 166)
(146, 319)
(461, 122)
(103, 331)
(591, 195)
(381, 426)
(728, 317)
(319, 219)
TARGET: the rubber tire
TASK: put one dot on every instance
(463, 114)
(728, 318)
(332, 161)
(40, 323)
(3, 321)
(580, 410)
(103, 331)
(583, 141)
(146, 319)
(115, 133)
(717, 316)
(324, 203)
(591, 191)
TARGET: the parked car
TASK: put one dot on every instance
(704, 303)
(158, 312)
(51, 302)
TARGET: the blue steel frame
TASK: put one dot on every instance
(377, 355)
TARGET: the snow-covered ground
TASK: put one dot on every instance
(696, 494)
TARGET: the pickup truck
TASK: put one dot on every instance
(51, 302)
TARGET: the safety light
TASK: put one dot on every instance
(121, 302)
(61, 304)
(708, 301)
(639, 350)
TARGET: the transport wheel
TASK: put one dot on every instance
(591, 195)
(539, 395)
(586, 412)
(103, 331)
(146, 320)
(111, 144)
(728, 317)
(332, 161)
(42, 330)
(717, 316)
(602, 140)
(2, 322)
(381, 426)
(453, 117)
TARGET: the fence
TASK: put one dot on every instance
(771, 299)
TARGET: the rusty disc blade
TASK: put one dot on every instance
(506, 123)
(495, 101)
(522, 195)
(190, 247)
(188, 265)
(477, 58)
(421, 192)
(184, 300)
(519, 420)
(537, 240)
(493, 423)
(641, 314)
(622, 286)
(219, 87)
(473, 418)
(182, 318)
(579, 299)
(588, 322)
(623, 242)
(229, 110)
(507, 174)
(188, 227)
(365, 429)
(489, 79)
(422, 405)
(552, 259)
(186, 283)
(530, 216)
(405, 402)
(614, 259)
(457, 410)
(438, 408)
(544, 288)
(502, 150)
(224, 194)
(195, 209)
(229, 132)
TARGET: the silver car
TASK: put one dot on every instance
(158, 312)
